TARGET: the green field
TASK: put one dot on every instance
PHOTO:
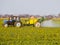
(29, 35)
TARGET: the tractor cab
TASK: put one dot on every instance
(14, 18)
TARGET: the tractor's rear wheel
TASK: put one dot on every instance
(18, 24)
(37, 24)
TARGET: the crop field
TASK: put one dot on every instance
(29, 35)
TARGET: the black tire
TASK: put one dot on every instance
(37, 24)
(18, 24)
(5, 25)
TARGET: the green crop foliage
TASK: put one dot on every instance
(29, 35)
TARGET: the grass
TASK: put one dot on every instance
(29, 35)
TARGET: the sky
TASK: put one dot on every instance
(35, 7)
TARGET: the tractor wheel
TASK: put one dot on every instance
(18, 24)
(5, 25)
(37, 24)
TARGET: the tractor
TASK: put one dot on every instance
(16, 21)
(13, 20)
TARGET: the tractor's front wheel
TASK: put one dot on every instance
(5, 25)
(18, 24)
(37, 24)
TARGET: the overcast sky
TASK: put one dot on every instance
(41, 7)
